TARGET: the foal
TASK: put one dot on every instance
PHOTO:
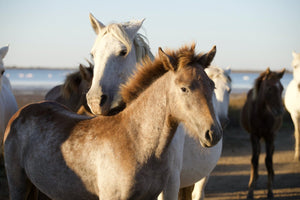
(125, 156)
(72, 93)
(261, 116)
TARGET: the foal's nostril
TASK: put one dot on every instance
(207, 136)
(103, 99)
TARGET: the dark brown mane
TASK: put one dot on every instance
(73, 80)
(151, 71)
(71, 84)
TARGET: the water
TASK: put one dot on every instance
(22, 79)
(33, 79)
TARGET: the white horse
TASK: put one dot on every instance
(115, 60)
(291, 99)
(117, 49)
(8, 104)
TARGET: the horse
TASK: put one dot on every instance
(72, 93)
(117, 49)
(69, 156)
(261, 116)
(8, 104)
(205, 159)
(109, 68)
(291, 101)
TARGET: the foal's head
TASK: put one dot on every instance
(189, 90)
(78, 82)
(268, 91)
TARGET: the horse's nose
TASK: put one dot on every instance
(103, 99)
(213, 136)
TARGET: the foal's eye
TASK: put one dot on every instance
(2, 72)
(183, 89)
(123, 52)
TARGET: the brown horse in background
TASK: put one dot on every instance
(261, 116)
(72, 93)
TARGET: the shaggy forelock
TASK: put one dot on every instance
(150, 71)
(262, 77)
(141, 46)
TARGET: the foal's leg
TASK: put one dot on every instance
(185, 193)
(198, 192)
(254, 165)
(269, 165)
(296, 121)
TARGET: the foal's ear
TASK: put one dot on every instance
(3, 51)
(166, 60)
(97, 25)
(207, 58)
(85, 74)
(281, 73)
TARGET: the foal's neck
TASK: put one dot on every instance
(150, 123)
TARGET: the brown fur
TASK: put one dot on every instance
(73, 92)
(116, 157)
(261, 116)
(73, 80)
(147, 73)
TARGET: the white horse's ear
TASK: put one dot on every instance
(133, 27)
(294, 54)
(96, 24)
(3, 51)
(228, 70)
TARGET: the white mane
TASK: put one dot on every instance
(141, 47)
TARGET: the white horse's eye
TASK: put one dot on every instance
(2, 72)
(123, 52)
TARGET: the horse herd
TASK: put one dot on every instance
(131, 126)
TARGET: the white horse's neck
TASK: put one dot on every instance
(152, 128)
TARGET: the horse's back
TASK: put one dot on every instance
(43, 116)
(292, 97)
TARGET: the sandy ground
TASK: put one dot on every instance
(230, 178)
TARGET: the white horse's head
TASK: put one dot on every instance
(3, 52)
(296, 66)
(117, 49)
(222, 81)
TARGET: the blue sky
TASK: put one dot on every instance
(250, 35)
